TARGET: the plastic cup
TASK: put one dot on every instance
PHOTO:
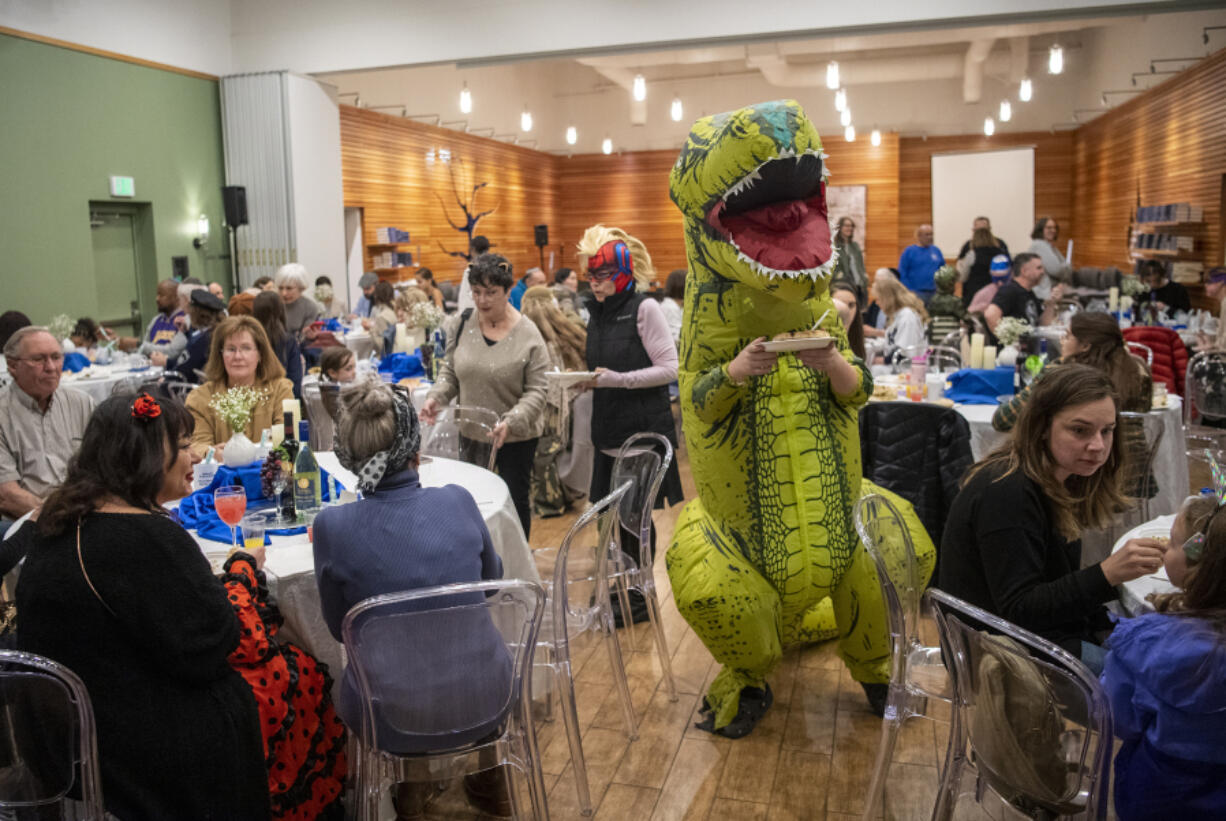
(254, 525)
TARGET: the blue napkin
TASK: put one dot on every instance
(402, 365)
(196, 511)
(973, 386)
(334, 325)
(75, 362)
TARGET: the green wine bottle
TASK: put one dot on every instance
(307, 488)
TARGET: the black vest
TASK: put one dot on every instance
(613, 342)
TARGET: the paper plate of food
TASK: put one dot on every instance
(799, 341)
(568, 378)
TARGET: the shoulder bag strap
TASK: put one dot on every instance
(84, 573)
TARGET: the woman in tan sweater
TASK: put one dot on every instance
(238, 355)
(496, 360)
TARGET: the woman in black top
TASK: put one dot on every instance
(269, 310)
(121, 594)
(975, 260)
(631, 349)
(1012, 540)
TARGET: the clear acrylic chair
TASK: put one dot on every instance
(1142, 352)
(173, 388)
(462, 432)
(1147, 430)
(1030, 722)
(49, 741)
(476, 713)
(916, 670)
(323, 428)
(642, 460)
(578, 588)
(1205, 394)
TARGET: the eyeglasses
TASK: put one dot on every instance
(41, 360)
(230, 351)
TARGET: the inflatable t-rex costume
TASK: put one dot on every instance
(776, 460)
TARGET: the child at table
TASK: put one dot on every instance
(1165, 676)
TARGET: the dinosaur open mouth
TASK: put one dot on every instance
(776, 215)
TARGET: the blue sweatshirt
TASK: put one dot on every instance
(917, 265)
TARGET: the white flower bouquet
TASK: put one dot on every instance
(1010, 329)
(425, 315)
(235, 405)
(60, 326)
(1131, 285)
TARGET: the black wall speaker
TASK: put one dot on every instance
(542, 235)
(234, 198)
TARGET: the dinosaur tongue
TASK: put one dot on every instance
(790, 235)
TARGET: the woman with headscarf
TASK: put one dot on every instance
(566, 342)
(402, 536)
(633, 355)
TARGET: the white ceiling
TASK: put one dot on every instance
(940, 81)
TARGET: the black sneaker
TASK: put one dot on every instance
(638, 608)
(877, 695)
(754, 702)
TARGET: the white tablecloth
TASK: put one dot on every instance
(361, 343)
(1170, 463)
(290, 562)
(99, 380)
(1133, 593)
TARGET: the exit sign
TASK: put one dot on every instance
(123, 186)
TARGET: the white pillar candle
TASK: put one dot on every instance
(294, 407)
(966, 350)
(1113, 299)
(989, 356)
(976, 350)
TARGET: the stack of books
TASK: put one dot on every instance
(392, 259)
(1174, 212)
(389, 235)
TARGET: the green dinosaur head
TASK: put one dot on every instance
(751, 184)
(946, 278)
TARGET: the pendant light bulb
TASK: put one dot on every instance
(1006, 111)
(832, 75)
(849, 133)
(845, 117)
(466, 100)
(525, 120)
(840, 99)
(1026, 90)
(572, 136)
(606, 146)
(989, 127)
(674, 110)
(875, 137)
(640, 88)
(1055, 60)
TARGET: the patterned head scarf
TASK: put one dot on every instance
(405, 442)
(615, 253)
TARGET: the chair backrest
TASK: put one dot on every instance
(49, 741)
(462, 432)
(1143, 352)
(323, 429)
(944, 358)
(888, 542)
(1037, 719)
(438, 667)
(1205, 387)
(1142, 434)
(642, 461)
(592, 536)
(953, 340)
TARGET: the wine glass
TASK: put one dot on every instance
(231, 503)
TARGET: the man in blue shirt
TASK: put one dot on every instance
(367, 283)
(535, 276)
(919, 263)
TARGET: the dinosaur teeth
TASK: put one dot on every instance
(756, 174)
(824, 271)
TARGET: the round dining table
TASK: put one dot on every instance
(1133, 594)
(100, 380)
(290, 560)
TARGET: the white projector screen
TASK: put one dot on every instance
(998, 185)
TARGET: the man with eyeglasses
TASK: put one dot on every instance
(40, 425)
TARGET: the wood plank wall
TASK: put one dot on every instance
(1167, 145)
(384, 172)
(1053, 177)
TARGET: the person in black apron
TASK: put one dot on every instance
(631, 349)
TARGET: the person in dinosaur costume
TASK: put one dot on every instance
(773, 439)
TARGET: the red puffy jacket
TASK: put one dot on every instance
(1170, 356)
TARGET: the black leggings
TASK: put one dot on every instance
(514, 464)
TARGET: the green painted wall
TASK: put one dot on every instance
(68, 121)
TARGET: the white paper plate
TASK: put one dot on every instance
(567, 378)
(803, 344)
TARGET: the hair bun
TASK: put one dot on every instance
(367, 399)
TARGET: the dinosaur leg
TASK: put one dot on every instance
(859, 609)
(728, 603)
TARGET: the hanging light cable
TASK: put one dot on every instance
(466, 100)
(832, 75)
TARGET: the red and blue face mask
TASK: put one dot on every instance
(613, 261)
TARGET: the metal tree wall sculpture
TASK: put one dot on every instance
(467, 202)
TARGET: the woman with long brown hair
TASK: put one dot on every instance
(1012, 541)
(1166, 679)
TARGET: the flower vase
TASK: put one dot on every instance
(1007, 357)
(239, 451)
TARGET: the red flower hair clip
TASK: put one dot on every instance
(146, 408)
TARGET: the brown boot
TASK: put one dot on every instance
(411, 799)
(489, 791)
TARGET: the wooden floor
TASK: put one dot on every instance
(810, 758)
